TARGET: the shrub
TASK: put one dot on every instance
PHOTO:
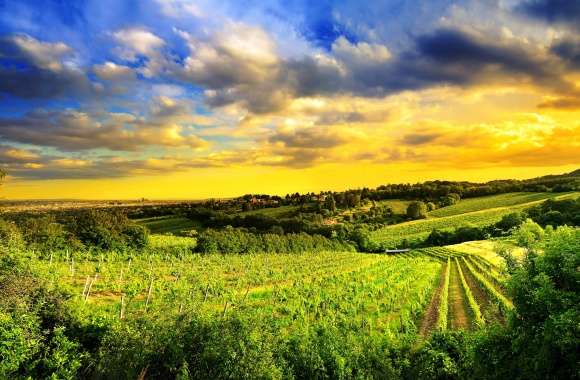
(510, 221)
(541, 339)
(528, 234)
(108, 230)
(10, 236)
(238, 241)
(44, 233)
(417, 210)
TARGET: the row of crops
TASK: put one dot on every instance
(417, 230)
(479, 296)
(378, 294)
(482, 211)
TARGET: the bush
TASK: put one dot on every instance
(450, 200)
(45, 234)
(417, 210)
(10, 237)
(510, 221)
(431, 206)
(557, 213)
(541, 339)
(528, 234)
(108, 230)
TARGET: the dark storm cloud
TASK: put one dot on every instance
(569, 51)
(553, 11)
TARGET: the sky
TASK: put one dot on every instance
(184, 99)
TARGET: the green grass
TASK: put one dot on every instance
(492, 201)
(274, 212)
(419, 229)
(397, 205)
(416, 230)
(168, 224)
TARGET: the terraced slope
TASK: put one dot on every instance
(476, 211)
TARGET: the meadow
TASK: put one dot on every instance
(481, 211)
(172, 224)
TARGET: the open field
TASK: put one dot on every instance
(42, 206)
(379, 294)
(274, 212)
(489, 210)
(485, 249)
(494, 201)
(168, 224)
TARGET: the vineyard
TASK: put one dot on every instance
(479, 212)
(390, 295)
(494, 201)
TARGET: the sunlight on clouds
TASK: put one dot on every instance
(243, 98)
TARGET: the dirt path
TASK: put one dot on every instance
(458, 312)
(432, 312)
(490, 313)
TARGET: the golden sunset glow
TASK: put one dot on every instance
(232, 106)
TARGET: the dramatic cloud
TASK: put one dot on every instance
(569, 50)
(175, 86)
(553, 11)
(33, 69)
(71, 130)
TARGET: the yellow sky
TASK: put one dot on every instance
(475, 134)
(208, 183)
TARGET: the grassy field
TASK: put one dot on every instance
(476, 211)
(485, 249)
(368, 293)
(494, 201)
(274, 212)
(398, 206)
(168, 224)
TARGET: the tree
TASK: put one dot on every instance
(528, 234)
(431, 206)
(510, 221)
(330, 203)
(541, 338)
(417, 210)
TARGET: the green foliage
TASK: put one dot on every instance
(447, 355)
(449, 200)
(237, 241)
(443, 302)
(541, 339)
(45, 234)
(33, 342)
(528, 234)
(330, 203)
(19, 343)
(417, 210)
(557, 212)
(10, 237)
(510, 221)
(108, 230)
